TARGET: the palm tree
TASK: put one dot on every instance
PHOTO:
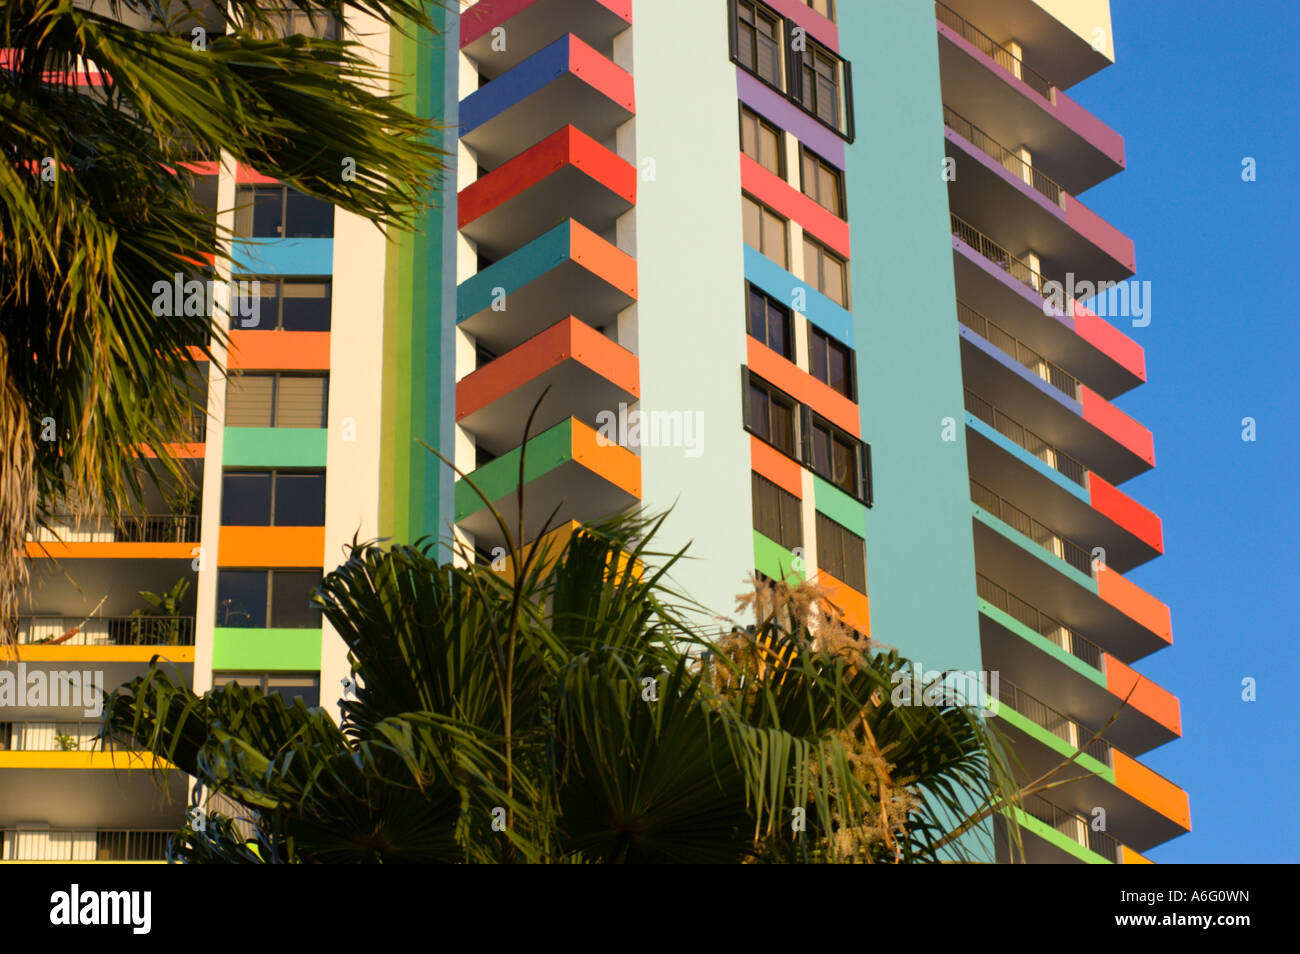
(99, 119)
(567, 709)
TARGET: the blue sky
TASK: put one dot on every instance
(1199, 85)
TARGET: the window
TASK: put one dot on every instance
(830, 362)
(770, 414)
(277, 211)
(766, 232)
(822, 182)
(289, 305)
(813, 77)
(841, 554)
(288, 22)
(762, 142)
(776, 513)
(825, 7)
(758, 41)
(256, 599)
(835, 456)
(287, 685)
(277, 400)
(769, 322)
(262, 498)
(819, 83)
(825, 271)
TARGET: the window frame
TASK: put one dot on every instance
(268, 575)
(777, 396)
(264, 677)
(279, 281)
(805, 154)
(748, 113)
(782, 58)
(275, 377)
(830, 9)
(275, 474)
(784, 534)
(820, 340)
(249, 189)
(825, 549)
(818, 282)
(769, 302)
(763, 208)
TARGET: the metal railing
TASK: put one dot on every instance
(1078, 646)
(105, 844)
(1044, 536)
(994, 51)
(108, 630)
(1005, 341)
(36, 736)
(196, 427)
(1013, 162)
(1016, 432)
(1060, 725)
(136, 528)
(1019, 270)
(1073, 826)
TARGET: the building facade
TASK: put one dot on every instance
(800, 273)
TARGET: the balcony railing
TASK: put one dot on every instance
(994, 51)
(56, 737)
(1071, 641)
(1048, 539)
(1060, 725)
(1075, 827)
(138, 528)
(1013, 162)
(196, 427)
(108, 630)
(58, 844)
(1019, 270)
(1017, 433)
(1009, 344)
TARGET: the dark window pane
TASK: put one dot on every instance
(291, 606)
(821, 451)
(757, 314)
(845, 473)
(307, 217)
(758, 412)
(306, 306)
(300, 500)
(778, 333)
(267, 211)
(288, 688)
(783, 426)
(241, 598)
(817, 355)
(246, 499)
(838, 376)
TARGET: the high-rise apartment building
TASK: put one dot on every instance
(803, 271)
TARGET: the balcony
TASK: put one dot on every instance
(1141, 807)
(566, 84)
(135, 528)
(1009, 344)
(77, 736)
(1062, 636)
(1058, 546)
(534, 24)
(1059, 830)
(568, 175)
(1023, 437)
(65, 844)
(1017, 204)
(992, 84)
(106, 631)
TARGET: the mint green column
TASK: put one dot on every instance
(920, 546)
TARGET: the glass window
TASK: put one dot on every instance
(825, 271)
(841, 553)
(249, 400)
(835, 456)
(758, 40)
(829, 361)
(762, 142)
(291, 606)
(299, 500)
(765, 231)
(306, 306)
(307, 217)
(769, 322)
(823, 183)
(246, 499)
(825, 7)
(772, 416)
(241, 598)
(819, 87)
(277, 211)
(776, 513)
(300, 401)
(289, 687)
